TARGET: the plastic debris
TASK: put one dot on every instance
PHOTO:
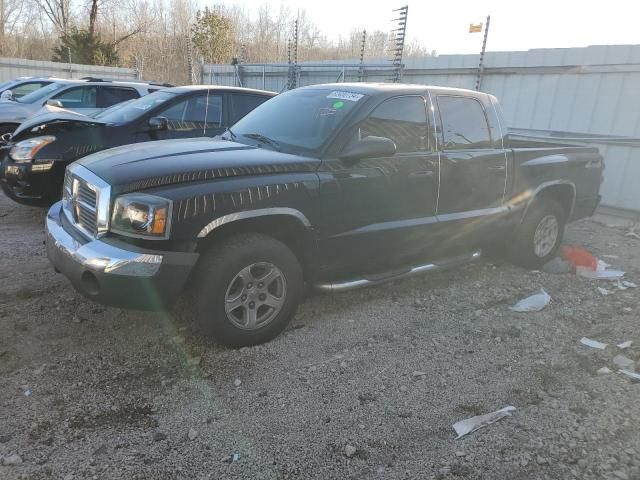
(593, 343)
(464, 427)
(585, 264)
(600, 272)
(231, 458)
(534, 303)
(579, 257)
(631, 374)
(604, 292)
(623, 363)
(624, 345)
(603, 371)
(627, 284)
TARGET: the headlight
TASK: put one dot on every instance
(141, 215)
(24, 151)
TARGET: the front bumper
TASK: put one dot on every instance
(115, 273)
(30, 183)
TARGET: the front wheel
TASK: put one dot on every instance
(537, 239)
(249, 287)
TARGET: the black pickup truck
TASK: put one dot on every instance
(334, 186)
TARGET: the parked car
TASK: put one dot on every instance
(19, 87)
(337, 186)
(32, 168)
(83, 96)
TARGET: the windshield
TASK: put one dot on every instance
(41, 93)
(132, 110)
(300, 119)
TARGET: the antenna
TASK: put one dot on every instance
(397, 42)
(362, 47)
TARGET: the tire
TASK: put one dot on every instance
(537, 239)
(228, 277)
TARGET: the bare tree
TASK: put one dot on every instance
(58, 12)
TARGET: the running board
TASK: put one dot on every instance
(370, 280)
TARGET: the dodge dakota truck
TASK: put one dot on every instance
(333, 186)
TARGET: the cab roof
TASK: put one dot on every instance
(220, 88)
(384, 89)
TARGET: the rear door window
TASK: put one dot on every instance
(108, 96)
(243, 104)
(78, 97)
(464, 123)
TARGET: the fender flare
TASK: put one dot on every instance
(546, 185)
(262, 212)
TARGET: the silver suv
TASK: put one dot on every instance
(85, 96)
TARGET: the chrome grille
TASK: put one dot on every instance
(86, 200)
(83, 204)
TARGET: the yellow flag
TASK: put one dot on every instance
(475, 28)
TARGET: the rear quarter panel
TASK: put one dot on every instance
(536, 167)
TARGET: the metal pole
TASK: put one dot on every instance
(484, 46)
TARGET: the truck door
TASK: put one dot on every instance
(379, 210)
(473, 167)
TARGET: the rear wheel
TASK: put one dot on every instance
(249, 287)
(537, 239)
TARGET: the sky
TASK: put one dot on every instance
(443, 25)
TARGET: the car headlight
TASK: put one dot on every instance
(141, 215)
(24, 151)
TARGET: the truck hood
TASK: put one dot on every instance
(46, 123)
(154, 164)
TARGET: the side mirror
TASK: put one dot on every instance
(6, 95)
(158, 123)
(54, 103)
(369, 147)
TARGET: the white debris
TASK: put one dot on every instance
(624, 345)
(350, 451)
(604, 292)
(603, 371)
(11, 460)
(623, 363)
(237, 382)
(534, 303)
(628, 373)
(472, 424)
(593, 343)
(600, 273)
(628, 284)
(193, 434)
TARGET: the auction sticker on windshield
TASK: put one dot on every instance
(352, 97)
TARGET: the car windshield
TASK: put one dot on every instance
(41, 93)
(134, 109)
(299, 120)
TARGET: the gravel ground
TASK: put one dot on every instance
(364, 384)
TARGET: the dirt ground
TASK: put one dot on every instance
(364, 384)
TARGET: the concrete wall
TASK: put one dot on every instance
(17, 67)
(590, 94)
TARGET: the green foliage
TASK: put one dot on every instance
(85, 48)
(212, 35)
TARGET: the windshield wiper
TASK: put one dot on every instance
(232, 136)
(262, 139)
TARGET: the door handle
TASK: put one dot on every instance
(497, 168)
(424, 174)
